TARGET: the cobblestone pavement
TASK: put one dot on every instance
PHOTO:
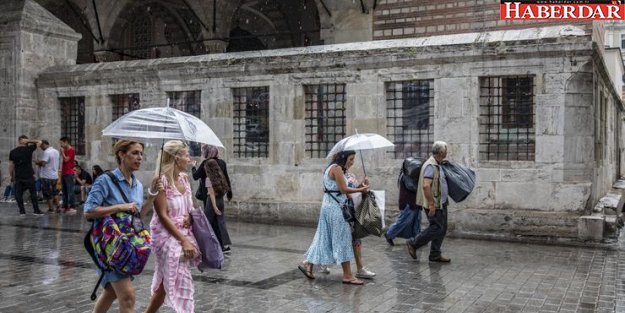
(43, 268)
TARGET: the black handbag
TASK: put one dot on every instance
(347, 207)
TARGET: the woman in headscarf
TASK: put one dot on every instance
(332, 243)
(210, 152)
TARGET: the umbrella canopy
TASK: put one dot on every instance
(162, 124)
(364, 141)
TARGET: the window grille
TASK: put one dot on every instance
(73, 122)
(189, 102)
(507, 118)
(410, 117)
(139, 34)
(124, 103)
(325, 117)
(251, 122)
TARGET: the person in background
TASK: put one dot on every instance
(82, 182)
(216, 188)
(22, 173)
(210, 152)
(68, 155)
(96, 171)
(49, 174)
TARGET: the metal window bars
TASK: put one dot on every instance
(251, 122)
(124, 103)
(324, 117)
(189, 102)
(507, 118)
(73, 121)
(410, 117)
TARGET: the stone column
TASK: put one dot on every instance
(31, 40)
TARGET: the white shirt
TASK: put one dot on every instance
(51, 169)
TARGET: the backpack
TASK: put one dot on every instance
(118, 242)
(409, 174)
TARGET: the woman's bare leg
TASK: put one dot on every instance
(125, 295)
(105, 300)
(157, 300)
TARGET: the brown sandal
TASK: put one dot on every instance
(307, 272)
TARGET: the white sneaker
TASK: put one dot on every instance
(365, 273)
(324, 269)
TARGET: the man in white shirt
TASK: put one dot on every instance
(49, 174)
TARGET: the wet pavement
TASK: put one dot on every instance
(44, 268)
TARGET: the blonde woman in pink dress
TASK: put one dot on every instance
(175, 247)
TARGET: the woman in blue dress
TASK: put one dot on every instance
(333, 240)
(105, 199)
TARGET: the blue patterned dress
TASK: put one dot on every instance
(333, 240)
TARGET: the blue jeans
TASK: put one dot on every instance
(67, 186)
(9, 191)
(407, 225)
(434, 233)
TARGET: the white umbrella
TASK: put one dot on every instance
(160, 124)
(360, 142)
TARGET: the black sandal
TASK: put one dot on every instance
(307, 273)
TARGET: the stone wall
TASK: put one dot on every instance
(543, 197)
(31, 39)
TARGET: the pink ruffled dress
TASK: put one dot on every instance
(171, 268)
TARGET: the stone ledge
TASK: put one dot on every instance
(508, 224)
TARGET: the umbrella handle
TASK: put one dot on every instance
(363, 163)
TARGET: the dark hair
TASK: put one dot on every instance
(341, 158)
(123, 145)
(216, 176)
(64, 139)
(45, 142)
(97, 171)
(22, 137)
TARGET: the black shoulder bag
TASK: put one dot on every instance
(347, 207)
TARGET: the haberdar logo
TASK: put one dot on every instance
(562, 10)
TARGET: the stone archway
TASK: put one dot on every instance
(277, 24)
(156, 29)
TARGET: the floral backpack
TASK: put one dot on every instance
(118, 242)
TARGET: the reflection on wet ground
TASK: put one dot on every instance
(44, 268)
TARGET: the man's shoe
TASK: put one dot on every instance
(440, 259)
(411, 250)
(389, 239)
(226, 250)
(365, 273)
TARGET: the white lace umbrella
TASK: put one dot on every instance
(160, 124)
(360, 142)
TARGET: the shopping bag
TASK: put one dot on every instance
(368, 219)
(212, 256)
(380, 197)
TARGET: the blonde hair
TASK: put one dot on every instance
(123, 145)
(168, 159)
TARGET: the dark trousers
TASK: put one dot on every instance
(434, 233)
(20, 186)
(218, 222)
(67, 186)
